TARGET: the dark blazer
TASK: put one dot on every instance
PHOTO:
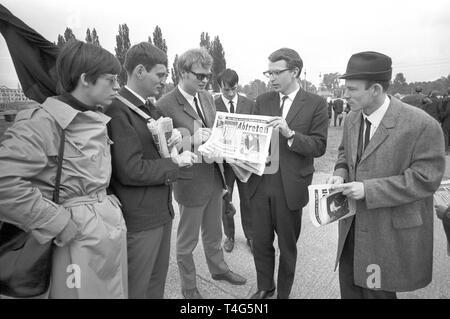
(308, 117)
(244, 106)
(195, 184)
(401, 168)
(140, 177)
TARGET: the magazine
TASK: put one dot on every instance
(442, 195)
(327, 204)
(242, 140)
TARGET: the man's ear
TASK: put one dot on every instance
(83, 80)
(139, 71)
(377, 89)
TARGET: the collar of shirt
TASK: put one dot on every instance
(190, 99)
(288, 102)
(135, 94)
(64, 113)
(376, 117)
(227, 102)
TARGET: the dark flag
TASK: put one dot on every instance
(33, 56)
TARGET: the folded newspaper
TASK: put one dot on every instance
(242, 140)
(327, 205)
(161, 130)
(442, 195)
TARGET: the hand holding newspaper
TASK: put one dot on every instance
(161, 130)
(327, 204)
(242, 140)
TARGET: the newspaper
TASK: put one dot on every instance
(161, 130)
(242, 140)
(442, 195)
(328, 205)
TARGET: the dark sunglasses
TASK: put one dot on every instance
(201, 76)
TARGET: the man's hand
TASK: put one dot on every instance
(184, 159)
(335, 180)
(67, 235)
(353, 190)
(440, 211)
(175, 139)
(281, 124)
(202, 135)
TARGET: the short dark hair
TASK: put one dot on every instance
(228, 76)
(292, 58)
(76, 58)
(384, 84)
(146, 54)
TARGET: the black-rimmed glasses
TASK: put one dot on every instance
(275, 72)
(201, 76)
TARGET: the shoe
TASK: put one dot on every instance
(191, 293)
(263, 294)
(228, 244)
(250, 244)
(231, 277)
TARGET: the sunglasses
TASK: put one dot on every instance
(201, 76)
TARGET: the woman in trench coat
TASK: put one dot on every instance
(87, 227)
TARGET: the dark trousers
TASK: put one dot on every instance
(271, 215)
(148, 262)
(246, 216)
(446, 131)
(346, 274)
(336, 118)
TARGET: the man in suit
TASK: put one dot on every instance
(338, 107)
(301, 118)
(230, 101)
(199, 189)
(391, 169)
(141, 178)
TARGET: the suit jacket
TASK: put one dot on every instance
(338, 106)
(308, 117)
(140, 177)
(196, 183)
(401, 168)
(244, 106)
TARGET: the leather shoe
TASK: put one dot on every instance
(263, 294)
(231, 277)
(228, 244)
(191, 293)
(250, 244)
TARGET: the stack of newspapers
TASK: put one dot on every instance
(161, 130)
(327, 204)
(242, 141)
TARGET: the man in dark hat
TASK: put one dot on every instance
(388, 165)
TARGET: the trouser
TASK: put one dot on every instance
(246, 215)
(207, 218)
(346, 274)
(148, 262)
(272, 215)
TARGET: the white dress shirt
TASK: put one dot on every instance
(227, 102)
(288, 102)
(190, 99)
(376, 117)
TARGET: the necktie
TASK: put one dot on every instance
(360, 141)
(231, 107)
(198, 111)
(367, 134)
(284, 98)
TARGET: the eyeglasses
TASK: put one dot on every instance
(274, 73)
(201, 76)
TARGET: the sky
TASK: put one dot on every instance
(414, 33)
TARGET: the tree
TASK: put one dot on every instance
(205, 41)
(61, 41)
(399, 84)
(95, 39)
(308, 86)
(88, 36)
(219, 62)
(158, 39)
(68, 35)
(122, 46)
(255, 88)
(150, 39)
(175, 73)
(331, 81)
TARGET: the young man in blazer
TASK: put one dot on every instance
(301, 121)
(141, 178)
(231, 102)
(391, 160)
(200, 188)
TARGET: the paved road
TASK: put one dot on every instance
(315, 277)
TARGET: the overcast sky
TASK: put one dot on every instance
(415, 33)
